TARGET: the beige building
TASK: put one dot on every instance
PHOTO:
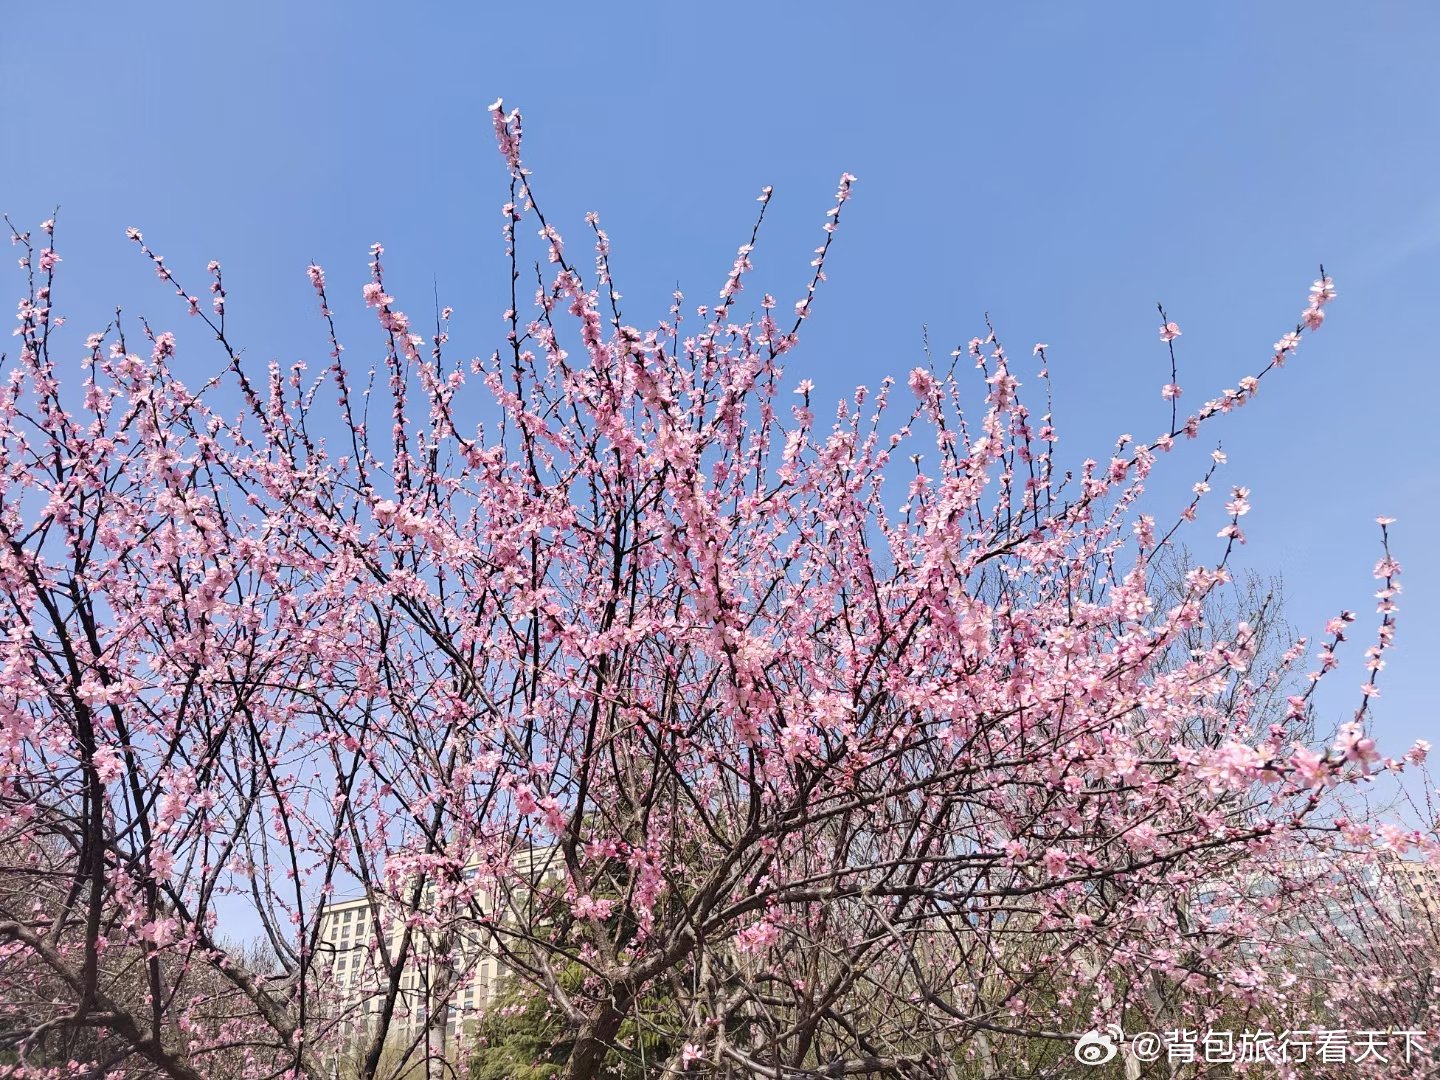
(1416, 885)
(452, 963)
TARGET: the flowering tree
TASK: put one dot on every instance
(817, 787)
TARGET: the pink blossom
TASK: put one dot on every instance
(1310, 769)
(1322, 292)
(1393, 838)
(757, 937)
(587, 907)
(1143, 837)
(108, 765)
(1288, 343)
(525, 801)
(922, 383)
(161, 931)
(1354, 745)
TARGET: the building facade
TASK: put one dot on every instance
(437, 963)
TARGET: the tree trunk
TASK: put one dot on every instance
(595, 1040)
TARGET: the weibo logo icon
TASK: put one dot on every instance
(1097, 1047)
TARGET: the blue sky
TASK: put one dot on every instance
(1061, 166)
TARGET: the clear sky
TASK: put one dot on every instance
(1062, 166)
